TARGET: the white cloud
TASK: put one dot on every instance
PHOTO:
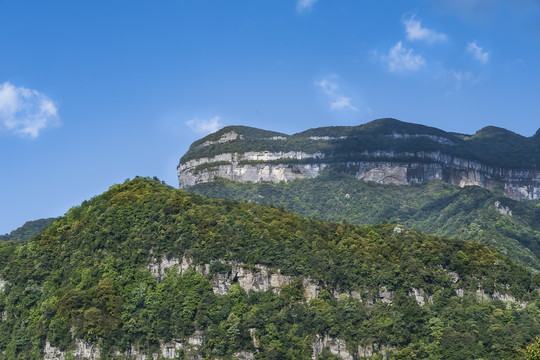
(461, 75)
(25, 111)
(478, 52)
(341, 103)
(415, 31)
(400, 58)
(458, 77)
(304, 5)
(328, 85)
(337, 101)
(204, 126)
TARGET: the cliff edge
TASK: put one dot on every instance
(385, 151)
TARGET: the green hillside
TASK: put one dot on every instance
(434, 207)
(88, 278)
(29, 229)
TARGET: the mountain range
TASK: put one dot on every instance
(387, 240)
(473, 187)
(385, 151)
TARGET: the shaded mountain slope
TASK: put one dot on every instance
(435, 207)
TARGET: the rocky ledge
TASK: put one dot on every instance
(385, 151)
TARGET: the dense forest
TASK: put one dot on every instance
(382, 290)
(472, 213)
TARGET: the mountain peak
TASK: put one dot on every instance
(388, 126)
(495, 132)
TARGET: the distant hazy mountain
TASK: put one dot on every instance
(29, 229)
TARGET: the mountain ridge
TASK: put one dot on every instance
(383, 150)
(27, 230)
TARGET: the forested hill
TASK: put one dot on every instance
(29, 229)
(472, 213)
(148, 269)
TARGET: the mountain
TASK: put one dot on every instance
(29, 229)
(146, 269)
(385, 151)
(435, 207)
(316, 173)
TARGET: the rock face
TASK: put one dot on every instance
(505, 210)
(518, 183)
(385, 151)
(237, 167)
(338, 348)
(262, 278)
(256, 278)
(83, 350)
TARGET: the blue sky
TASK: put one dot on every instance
(95, 92)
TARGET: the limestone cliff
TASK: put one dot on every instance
(385, 151)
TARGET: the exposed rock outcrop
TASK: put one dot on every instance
(482, 296)
(338, 347)
(53, 353)
(258, 278)
(420, 296)
(250, 166)
(83, 351)
(263, 278)
(244, 355)
(505, 210)
(230, 136)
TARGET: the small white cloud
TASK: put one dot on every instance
(204, 126)
(341, 103)
(328, 85)
(337, 101)
(478, 52)
(304, 5)
(400, 58)
(415, 32)
(458, 77)
(461, 75)
(25, 111)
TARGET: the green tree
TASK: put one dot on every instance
(533, 350)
